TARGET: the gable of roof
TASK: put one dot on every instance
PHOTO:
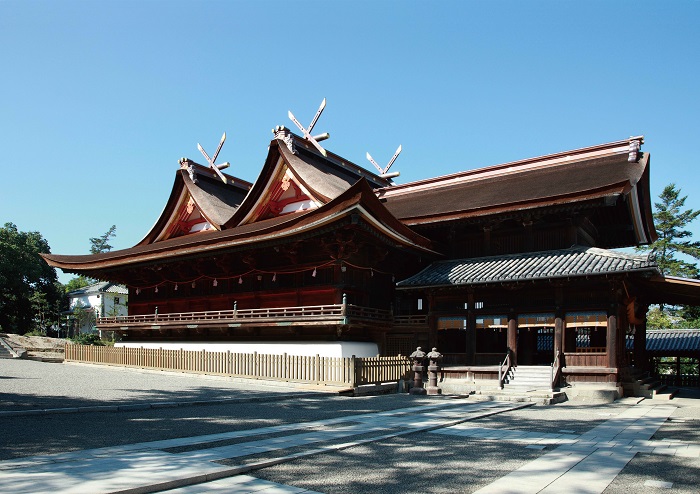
(198, 196)
(321, 178)
(532, 266)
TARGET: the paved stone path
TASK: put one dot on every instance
(581, 463)
(149, 467)
(585, 463)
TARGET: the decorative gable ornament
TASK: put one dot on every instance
(383, 172)
(212, 160)
(307, 131)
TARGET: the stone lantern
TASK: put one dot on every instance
(433, 369)
(418, 357)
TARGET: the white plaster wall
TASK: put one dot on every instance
(304, 349)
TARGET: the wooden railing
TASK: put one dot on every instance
(503, 369)
(412, 320)
(556, 370)
(342, 371)
(590, 349)
(248, 315)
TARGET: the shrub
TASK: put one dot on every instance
(88, 339)
(35, 332)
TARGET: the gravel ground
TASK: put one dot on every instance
(420, 462)
(27, 384)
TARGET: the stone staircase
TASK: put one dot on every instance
(526, 378)
(647, 386)
(5, 350)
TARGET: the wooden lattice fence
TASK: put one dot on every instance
(343, 371)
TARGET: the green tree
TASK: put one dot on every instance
(100, 244)
(671, 221)
(27, 283)
(77, 283)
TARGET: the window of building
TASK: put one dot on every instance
(586, 332)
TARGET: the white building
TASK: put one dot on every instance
(101, 299)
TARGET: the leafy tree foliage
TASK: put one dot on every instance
(77, 283)
(671, 221)
(100, 244)
(30, 296)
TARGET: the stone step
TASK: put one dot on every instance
(540, 397)
(4, 351)
(665, 393)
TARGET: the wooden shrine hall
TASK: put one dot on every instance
(510, 263)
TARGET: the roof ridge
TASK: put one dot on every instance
(563, 157)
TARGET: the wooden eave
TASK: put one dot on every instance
(671, 290)
(358, 200)
(572, 200)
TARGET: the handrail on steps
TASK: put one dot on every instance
(501, 373)
(556, 370)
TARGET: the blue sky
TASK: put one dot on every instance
(100, 99)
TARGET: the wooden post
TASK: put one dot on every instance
(559, 325)
(513, 338)
(558, 330)
(611, 342)
(471, 330)
(354, 380)
(641, 359)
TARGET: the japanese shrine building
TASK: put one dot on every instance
(513, 258)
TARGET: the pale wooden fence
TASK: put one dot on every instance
(343, 371)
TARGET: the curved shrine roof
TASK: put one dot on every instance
(357, 200)
(573, 176)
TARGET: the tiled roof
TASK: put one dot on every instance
(576, 261)
(100, 287)
(669, 341)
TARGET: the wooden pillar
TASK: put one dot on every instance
(611, 341)
(432, 321)
(513, 337)
(641, 359)
(471, 330)
(558, 324)
(558, 336)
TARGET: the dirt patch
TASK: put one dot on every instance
(37, 346)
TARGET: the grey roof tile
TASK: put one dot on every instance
(576, 261)
(670, 341)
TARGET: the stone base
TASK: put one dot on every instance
(433, 390)
(418, 391)
(593, 393)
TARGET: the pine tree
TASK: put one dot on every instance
(671, 221)
(101, 244)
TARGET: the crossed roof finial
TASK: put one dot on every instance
(307, 132)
